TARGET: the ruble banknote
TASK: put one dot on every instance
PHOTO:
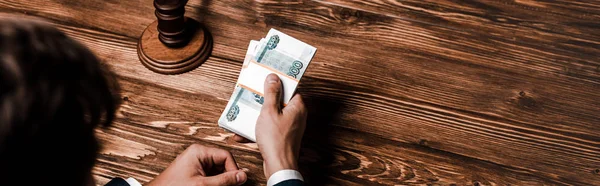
(278, 53)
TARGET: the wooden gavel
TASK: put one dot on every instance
(171, 22)
(174, 43)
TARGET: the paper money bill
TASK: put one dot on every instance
(249, 54)
(284, 53)
(231, 119)
(241, 114)
(277, 53)
(280, 53)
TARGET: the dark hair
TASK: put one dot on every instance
(53, 94)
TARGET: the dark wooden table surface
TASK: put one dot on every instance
(491, 92)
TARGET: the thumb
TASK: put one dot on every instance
(231, 178)
(273, 91)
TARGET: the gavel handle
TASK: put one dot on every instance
(171, 22)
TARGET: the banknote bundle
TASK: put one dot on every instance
(277, 53)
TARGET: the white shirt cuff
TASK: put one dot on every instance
(284, 175)
(133, 182)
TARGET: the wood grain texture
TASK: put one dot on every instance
(401, 92)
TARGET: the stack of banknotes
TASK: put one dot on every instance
(277, 53)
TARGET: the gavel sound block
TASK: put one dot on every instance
(173, 44)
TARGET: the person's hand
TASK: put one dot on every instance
(200, 165)
(279, 129)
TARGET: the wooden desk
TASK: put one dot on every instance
(494, 92)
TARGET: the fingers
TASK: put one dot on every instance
(296, 105)
(224, 158)
(210, 158)
(273, 91)
(227, 178)
(240, 139)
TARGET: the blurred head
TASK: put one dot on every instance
(53, 94)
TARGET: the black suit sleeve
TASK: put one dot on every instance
(117, 182)
(293, 182)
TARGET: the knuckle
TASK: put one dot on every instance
(299, 101)
(273, 90)
(196, 147)
(224, 153)
(301, 107)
